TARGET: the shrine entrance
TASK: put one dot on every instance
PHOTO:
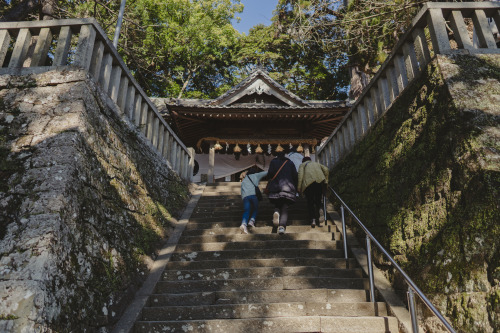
(248, 124)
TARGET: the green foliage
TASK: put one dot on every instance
(303, 67)
(175, 48)
(8, 317)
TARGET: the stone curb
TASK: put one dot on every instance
(133, 311)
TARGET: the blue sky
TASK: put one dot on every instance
(255, 12)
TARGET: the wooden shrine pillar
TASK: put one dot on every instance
(307, 150)
(211, 163)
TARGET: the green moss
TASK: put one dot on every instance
(8, 317)
(425, 182)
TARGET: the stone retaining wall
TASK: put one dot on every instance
(84, 201)
(426, 181)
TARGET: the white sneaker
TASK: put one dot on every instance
(281, 230)
(276, 219)
(251, 223)
(244, 229)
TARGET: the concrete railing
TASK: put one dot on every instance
(40, 46)
(426, 37)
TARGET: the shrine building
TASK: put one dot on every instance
(247, 125)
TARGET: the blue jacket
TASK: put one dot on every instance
(247, 188)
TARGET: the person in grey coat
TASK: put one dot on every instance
(282, 189)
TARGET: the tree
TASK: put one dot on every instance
(16, 10)
(176, 47)
(364, 31)
(301, 66)
(173, 47)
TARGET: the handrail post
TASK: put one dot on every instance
(413, 313)
(344, 236)
(324, 208)
(370, 269)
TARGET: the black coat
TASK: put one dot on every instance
(285, 183)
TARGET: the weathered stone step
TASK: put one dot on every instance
(263, 215)
(268, 244)
(260, 296)
(236, 205)
(259, 237)
(256, 254)
(259, 272)
(281, 324)
(270, 262)
(259, 230)
(223, 223)
(279, 283)
(259, 310)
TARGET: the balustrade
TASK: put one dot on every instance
(40, 46)
(427, 36)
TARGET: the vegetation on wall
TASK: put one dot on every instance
(426, 182)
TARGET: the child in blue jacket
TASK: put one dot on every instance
(250, 201)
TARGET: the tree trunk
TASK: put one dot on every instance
(48, 9)
(359, 81)
(20, 12)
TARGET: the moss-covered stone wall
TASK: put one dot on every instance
(426, 181)
(84, 203)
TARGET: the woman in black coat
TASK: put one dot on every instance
(282, 189)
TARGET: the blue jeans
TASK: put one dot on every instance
(250, 205)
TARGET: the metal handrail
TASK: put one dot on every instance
(412, 286)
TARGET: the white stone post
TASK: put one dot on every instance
(156, 125)
(161, 137)
(460, 31)
(20, 48)
(105, 76)
(122, 96)
(402, 78)
(114, 86)
(42, 48)
(411, 63)
(4, 44)
(392, 82)
(143, 120)
(63, 45)
(96, 62)
(483, 30)
(421, 47)
(85, 47)
(437, 29)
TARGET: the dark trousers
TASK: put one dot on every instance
(314, 193)
(281, 206)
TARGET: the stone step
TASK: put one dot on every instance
(259, 230)
(263, 215)
(270, 262)
(260, 272)
(260, 296)
(280, 324)
(257, 254)
(256, 245)
(259, 237)
(279, 283)
(262, 219)
(223, 223)
(259, 310)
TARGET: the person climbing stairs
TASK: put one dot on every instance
(220, 280)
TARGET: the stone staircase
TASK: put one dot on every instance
(219, 280)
